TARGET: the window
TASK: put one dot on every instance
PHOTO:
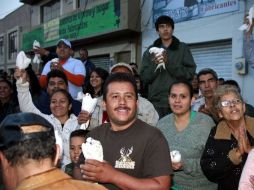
(50, 11)
(1, 48)
(13, 45)
(81, 3)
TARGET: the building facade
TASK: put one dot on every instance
(109, 29)
(210, 28)
(12, 28)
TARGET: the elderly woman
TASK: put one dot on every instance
(230, 142)
(187, 132)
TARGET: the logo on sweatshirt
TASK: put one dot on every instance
(125, 161)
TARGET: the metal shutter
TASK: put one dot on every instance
(101, 61)
(215, 55)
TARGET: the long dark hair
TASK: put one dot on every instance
(103, 74)
(35, 87)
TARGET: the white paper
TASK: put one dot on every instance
(88, 104)
(243, 27)
(158, 52)
(92, 149)
(22, 61)
(37, 56)
(175, 156)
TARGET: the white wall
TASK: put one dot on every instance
(218, 27)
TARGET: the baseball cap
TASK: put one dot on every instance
(18, 127)
(66, 42)
(121, 64)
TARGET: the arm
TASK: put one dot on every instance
(24, 95)
(25, 99)
(147, 68)
(248, 171)
(45, 54)
(83, 117)
(74, 78)
(103, 172)
(43, 81)
(43, 77)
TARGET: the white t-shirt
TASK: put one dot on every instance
(73, 66)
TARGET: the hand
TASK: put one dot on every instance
(160, 58)
(83, 117)
(41, 51)
(56, 66)
(97, 171)
(177, 166)
(20, 73)
(243, 141)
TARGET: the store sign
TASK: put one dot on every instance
(96, 19)
(29, 37)
(99, 19)
(51, 30)
(183, 10)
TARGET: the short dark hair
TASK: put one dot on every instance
(79, 133)
(119, 77)
(36, 149)
(7, 82)
(19, 143)
(164, 20)
(234, 83)
(207, 71)
(83, 49)
(57, 73)
(186, 83)
(35, 87)
(221, 79)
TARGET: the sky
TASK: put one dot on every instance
(7, 6)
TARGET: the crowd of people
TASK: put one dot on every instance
(141, 117)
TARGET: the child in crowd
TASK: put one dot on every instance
(77, 137)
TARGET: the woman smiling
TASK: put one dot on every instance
(230, 142)
(62, 119)
(96, 81)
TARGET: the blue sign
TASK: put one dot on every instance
(183, 10)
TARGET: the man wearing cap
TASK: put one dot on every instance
(179, 64)
(28, 155)
(73, 68)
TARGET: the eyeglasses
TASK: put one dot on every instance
(227, 103)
